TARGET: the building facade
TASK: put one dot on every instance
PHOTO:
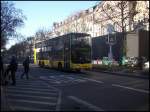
(95, 19)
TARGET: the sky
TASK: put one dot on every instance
(42, 14)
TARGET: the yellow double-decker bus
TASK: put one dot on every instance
(67, 52)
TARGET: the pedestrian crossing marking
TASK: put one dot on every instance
(64, 79)
(32, 96)
(33, 89)
(31, 92)
(31, 86)
(27, 92)
(35, 102)
(27, 108)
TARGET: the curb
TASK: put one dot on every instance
(123, 74)
(128, 75)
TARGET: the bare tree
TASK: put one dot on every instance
(84, 28)
(41, 35)
(120, 12)
(75, 24)
(11, 18)
(19, 49)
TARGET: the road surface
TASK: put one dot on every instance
(51, 90)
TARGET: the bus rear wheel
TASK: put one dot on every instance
(40, 63)
(59, 66)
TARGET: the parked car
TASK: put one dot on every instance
(131, 61)
(146, 66)
(107, 61)
(97, 62)
(126, 61)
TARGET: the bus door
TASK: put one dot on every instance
(66, 53)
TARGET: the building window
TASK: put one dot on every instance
(100, 30)
(102, 33)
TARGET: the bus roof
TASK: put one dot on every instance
(77, 34)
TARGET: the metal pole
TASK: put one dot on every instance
(93, 22)
(110, 48)
(108, 38)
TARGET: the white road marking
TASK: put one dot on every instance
(91, 106)
(58, 102)
(27, 80)
(32, 86)
(46, 84)
(80, 80)
(71, 78)
(45, 78)
(62, 75)
(36, 89)
(52, 79)
(59, 97)
(139, 90)
(36, 102)
(27, 108)
(32, 92)
(60, 79)
(22, 95)
(51, 76)
(93, 80)
(57, 82)
(26, 83)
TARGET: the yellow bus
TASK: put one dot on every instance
(67, 52)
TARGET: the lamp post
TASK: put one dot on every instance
(110, 40)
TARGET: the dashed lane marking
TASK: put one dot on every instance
(82, 102)
(93, 80)
(139, 90)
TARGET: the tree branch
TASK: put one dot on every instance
(110, 17)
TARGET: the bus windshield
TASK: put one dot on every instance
(81, 50)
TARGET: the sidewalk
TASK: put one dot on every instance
(4, 103)
(135, 74)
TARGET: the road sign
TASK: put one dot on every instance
(110, 28)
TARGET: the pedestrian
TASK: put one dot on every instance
(26, 68)
(2, 70)
(13, 68)
(7, 75)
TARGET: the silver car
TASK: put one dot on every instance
(146, 66)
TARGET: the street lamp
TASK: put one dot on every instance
(111, 40)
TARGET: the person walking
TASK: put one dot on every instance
(26, 68)
(13, 68)
(2, 71)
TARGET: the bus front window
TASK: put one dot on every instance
(81, 50)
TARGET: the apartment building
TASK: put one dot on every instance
(95, 19)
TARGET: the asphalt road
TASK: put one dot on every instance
(49, 89)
